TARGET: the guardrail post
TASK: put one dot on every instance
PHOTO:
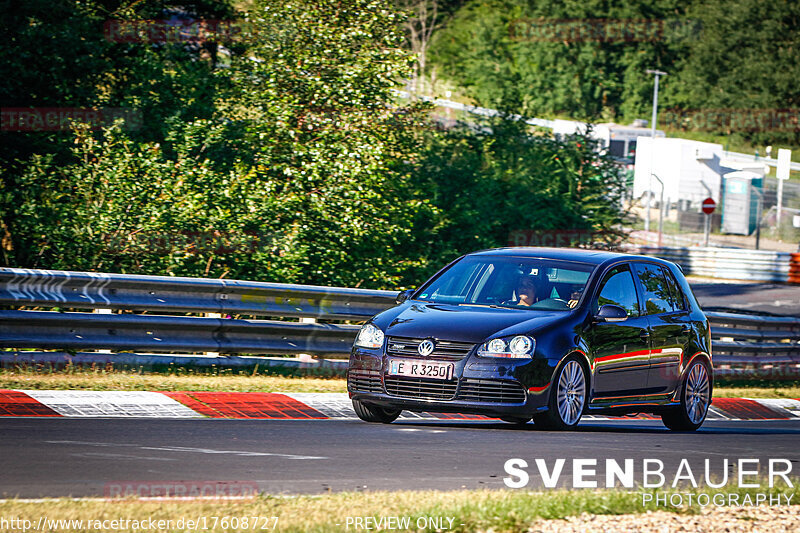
(212, 315)
(307, 357)
(103, 312)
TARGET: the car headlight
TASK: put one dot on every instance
(520, 344)
(519, 347)
(369, 336)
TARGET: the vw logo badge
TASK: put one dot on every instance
(425, 348)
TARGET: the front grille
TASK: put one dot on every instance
(444, 350)
(491, 390)
(364, 381)
(418, 388)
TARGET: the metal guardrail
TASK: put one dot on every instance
(159, 333)
(170, 333)
(759, 342)
(89, 290)
(737, 339)
(727, 263)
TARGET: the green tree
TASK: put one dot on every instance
(488, 183)
(56, 55)
(577, 59)
(314, 92)
(587, 60)
(305, 151)
(748, 59)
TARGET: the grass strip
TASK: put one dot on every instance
(179, 380)
(222, 380)
(792, 391)
(477, 510)
(756, 388)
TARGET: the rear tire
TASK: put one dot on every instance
(374, 413)
(695, 399)
(567, 398)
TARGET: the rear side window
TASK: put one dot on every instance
(655, 290)
(676, 294)
(618, 289)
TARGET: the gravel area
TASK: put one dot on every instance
(775, 519)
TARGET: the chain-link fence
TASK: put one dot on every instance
(683, 223)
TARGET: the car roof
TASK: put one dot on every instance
(595, 257)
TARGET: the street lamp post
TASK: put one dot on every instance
(758, 213)
(660, 211)
(658, 73)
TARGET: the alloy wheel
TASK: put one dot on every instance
(697, 394)
(571, 393)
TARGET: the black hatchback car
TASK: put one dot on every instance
(542, 334)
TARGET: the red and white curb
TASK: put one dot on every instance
(286, 406)
(129, 404)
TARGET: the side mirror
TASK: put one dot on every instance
(402, 296)
(611, 313)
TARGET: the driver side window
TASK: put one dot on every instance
(618, 289)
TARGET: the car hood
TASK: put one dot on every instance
(464, 323)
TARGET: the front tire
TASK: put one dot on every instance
(695, 399)
(567, 398)
(374, 413)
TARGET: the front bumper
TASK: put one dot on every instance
(479, 386)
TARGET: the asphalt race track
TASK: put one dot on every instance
(776, 298)
(48, 457)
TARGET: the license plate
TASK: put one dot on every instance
(420, 369)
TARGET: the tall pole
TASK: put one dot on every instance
(758, 213)
(660, 212)
(657, 73)
(782, 173)
(780, 208)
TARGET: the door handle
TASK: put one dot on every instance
(644, 334)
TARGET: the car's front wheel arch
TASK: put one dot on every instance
(583, 359)
(552, 418)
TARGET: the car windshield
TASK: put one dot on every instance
(518, 282)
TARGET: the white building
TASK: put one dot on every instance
(691, 170)
(619, 140)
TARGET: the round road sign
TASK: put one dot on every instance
(709, 205)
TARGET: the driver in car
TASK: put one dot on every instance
(525, 291)
(531, 289)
